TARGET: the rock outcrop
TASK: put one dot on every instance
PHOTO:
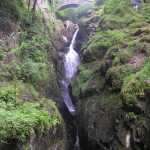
(110, 90)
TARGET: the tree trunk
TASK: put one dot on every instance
(29, 3)
(34, 5)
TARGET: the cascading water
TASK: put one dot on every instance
(70, 62)
(72, 59)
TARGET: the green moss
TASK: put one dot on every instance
(119, 14)
(81, 81)
(122, 57)
(109, 99)
(116, 74)
(135, 84)
(102, 41)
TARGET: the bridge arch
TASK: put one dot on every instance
(70, 5)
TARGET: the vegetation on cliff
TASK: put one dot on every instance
(113, 85)
(27, 74)
(120, 49)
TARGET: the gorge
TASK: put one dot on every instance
(74, 75)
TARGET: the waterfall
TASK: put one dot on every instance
(71, 62)
(72, 59)
(128, 136)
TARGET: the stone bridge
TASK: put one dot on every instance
(68, 4)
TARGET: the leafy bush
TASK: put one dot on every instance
(1, 55)
(19, 122)
(14, 8)
(18, 119)
(82, 81)
(98, 45)
(34, 72)
(33, 51)
(145, 11)
(135, 84)
(116, 74)
(33, 47)
(7, 94)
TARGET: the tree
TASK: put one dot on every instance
(29, 3)
(34, 5)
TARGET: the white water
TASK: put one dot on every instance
(128, 136)
(66, 98)
(71, 62)
(72, 59)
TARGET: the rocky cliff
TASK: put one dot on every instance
(29, 118)
(112, 87)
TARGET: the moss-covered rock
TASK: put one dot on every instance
(116, 74)
(113, 86)
(135, 84)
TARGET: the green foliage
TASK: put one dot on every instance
(135, 84)
(19, 121)
(25, 91)
(106, 39)
(119, 14)
(19, 118)
(33, 51)
(33, 47)
(102, 41)
(1, 55)
(34, 72)
(8, 94)
(81, 82)
(13, 8)
(122, 34)
(132, 116)
(111, 99)
(110, 5)
(74, 13)
(145, 11)
(116, 74)
(66, 14)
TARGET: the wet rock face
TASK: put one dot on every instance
(114, 128)
(97, 125)
(64, 33)
(111, 128)
(52, 140)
